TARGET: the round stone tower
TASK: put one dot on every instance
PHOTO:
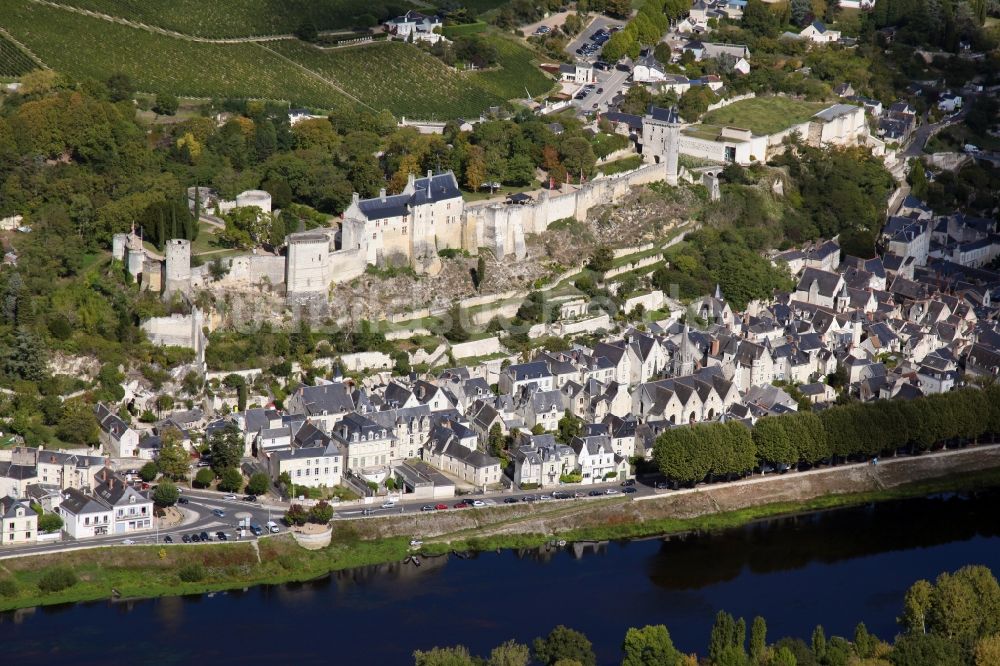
(178, 265)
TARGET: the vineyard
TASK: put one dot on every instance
(246, 18)
(409, 82)
(399, 77)
(13, 61)
(84, 47)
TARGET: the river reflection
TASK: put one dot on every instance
(834, 568)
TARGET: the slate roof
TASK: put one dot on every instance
(78, 503)
(663, 115)
(329, 398)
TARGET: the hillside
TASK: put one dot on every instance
(399, 77)
(246, 18)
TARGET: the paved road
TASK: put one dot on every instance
(610, 82)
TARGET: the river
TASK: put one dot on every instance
(834, 568)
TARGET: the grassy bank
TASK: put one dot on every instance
(151, 571)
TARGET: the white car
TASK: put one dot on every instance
(478, 503)
(128, 542)
(229, 497)
(611, 491)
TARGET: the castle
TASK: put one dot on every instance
(409, 228)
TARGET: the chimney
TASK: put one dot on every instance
(715, 347)
(430, 174)
(381, 194)
(355, 197)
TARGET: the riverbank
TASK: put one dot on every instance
(152, 571)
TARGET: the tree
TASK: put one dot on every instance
(480, 271)
(925, 649)
(321, 514)
(120, 87)
(148, 471)
(166, 494)
(650, 646)
(456, 332)
(759, 19)
(296, 515)
(965, 606)
(577, 156)
(569, 426)
(693, 104)
(172, 459)
(819, 642)
(226, 447)
(449, 656)
(864, 642)
(602, 260)
(917, 178)
(987, 651)
(49, 523)
(475, 169)
(77, 423)
(495, 442)
(166, 105)
(758, 639)
(564, 643)
(258, 484)
(306, 30)
(26, 357)
(204, 477)
(231, 481)
(510, 653)
(801, 10)
(916, 604)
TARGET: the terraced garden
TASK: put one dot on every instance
(395, 76)
(14, 61)
(243, 18)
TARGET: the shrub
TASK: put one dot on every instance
(204, 477)
(49, 523)
(166, 494)
(231, 480)
(57, 579)
(322, 513)
(8, 588)
(259, 483)
(149, 471)
(296, 515)
(191, 573)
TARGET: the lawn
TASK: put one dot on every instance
(246, 18)
(14, 61)
(619, 166)
(764, 115)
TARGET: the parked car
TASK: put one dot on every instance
(600, 90)
(578, 494)
(389, 505)
(221, 536)
(219, 512)
(544, 498)
(230, 496)
(628, 482)
(427, 507)
(250, 498)
(183, 500)
(630, 490)
(440, 507)
(478, 503)
(661, 485)
(186, 538)
(528, 498)
(168, 539)
(595, 493)
(128, 542)
(611, 491)
(460, 505)
(510, 500)
(272, 527)
(204, 536)
(255, 528)
(195, 538)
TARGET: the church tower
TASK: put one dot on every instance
(684, 358)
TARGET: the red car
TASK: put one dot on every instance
(441, 507)
(460, 505)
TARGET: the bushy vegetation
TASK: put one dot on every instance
(57, 580)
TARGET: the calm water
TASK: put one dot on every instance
(834, 568)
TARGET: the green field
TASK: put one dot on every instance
(246, 18)
(14, 61)
(395, 76)
(764, 115)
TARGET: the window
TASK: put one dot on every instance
(326, 470)
(316, 471)
(298, 472)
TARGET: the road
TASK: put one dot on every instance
(611, 82)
